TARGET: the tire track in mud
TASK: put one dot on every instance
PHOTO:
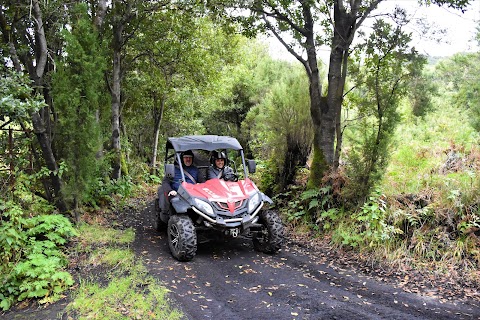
(229, 280)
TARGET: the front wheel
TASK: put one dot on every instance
(270, 239)
(182, 237)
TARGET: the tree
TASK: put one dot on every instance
(77, 91)
(297, 20)
(123, 18)
(17, 101)
(178, 52)
(16, 104)
(243, 84)
(387, 67)
(282, 130)
(126, 18)
(338, 21)
(26, 49)
(122, 15)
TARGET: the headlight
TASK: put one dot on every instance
(204, 207)
(253, 202)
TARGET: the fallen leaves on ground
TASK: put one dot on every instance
(425, 280)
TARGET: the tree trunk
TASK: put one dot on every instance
(345, 26)
(158, 120)
(319, 164)
(37, 121)
(48, 194)
(116, 97)
(100, 13)
(121, 18)
(50, 161)
(98, 22)
(336, 84)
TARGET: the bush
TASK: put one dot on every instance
(31, 262)
(105, 189)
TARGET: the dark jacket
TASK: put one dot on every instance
(214, 172)
(192, 170)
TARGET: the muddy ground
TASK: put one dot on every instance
(227, 279)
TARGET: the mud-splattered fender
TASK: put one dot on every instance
(180, 205)
(266, 198)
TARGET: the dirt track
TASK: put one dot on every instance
(229, 280)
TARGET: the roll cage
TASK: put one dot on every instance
(203, 142)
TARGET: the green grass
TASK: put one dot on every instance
(431, 188)
(117, 259)
(115, 285)
(96, 234)
(409, 170)
(132, 297)
(419, 166)
(421, 148)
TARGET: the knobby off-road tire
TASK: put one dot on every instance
(271, 238)
(158, 224)
(182, 237)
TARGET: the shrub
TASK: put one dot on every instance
(31, 262)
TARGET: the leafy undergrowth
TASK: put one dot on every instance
(421, 225)
(32, 261)
(95, 274)
(423, 234)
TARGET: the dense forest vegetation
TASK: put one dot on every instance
(378, 152)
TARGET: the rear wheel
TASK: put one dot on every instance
(270, 239)
(182, 237)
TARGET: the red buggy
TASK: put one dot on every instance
(233, 207)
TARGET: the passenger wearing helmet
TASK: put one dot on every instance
(219, 169)
(189, 170)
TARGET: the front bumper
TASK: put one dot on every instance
(219, 222)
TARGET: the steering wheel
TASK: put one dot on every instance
(231, 177)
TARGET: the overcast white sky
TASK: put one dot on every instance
(460, 27)
(459, 37)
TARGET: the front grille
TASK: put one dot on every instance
(224, 206)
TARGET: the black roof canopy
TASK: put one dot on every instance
(204, 142)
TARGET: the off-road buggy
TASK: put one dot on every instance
(232, 207)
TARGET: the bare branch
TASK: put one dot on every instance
(367, 12)
(276, 14)
(288, 47)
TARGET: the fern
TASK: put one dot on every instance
(31, 261)
(373, 216)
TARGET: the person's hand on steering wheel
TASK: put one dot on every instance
(231, 177)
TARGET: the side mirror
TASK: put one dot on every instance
(252, 166)
(170, 170)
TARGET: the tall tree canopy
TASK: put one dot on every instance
(175, 38)
(29, 33)
(301, 27)
(175, 57)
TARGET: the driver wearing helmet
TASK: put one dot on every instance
(219, 169)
